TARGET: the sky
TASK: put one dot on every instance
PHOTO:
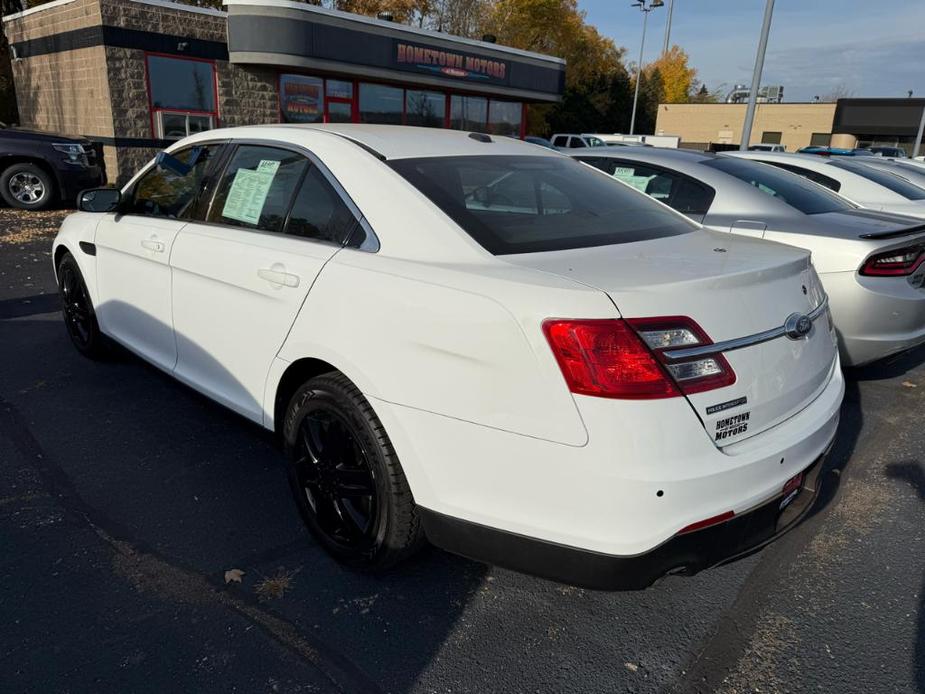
(872, 47)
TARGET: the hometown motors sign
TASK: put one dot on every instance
(446, 63)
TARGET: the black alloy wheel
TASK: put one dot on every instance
(79, 316)
(346, 478)
(337, 480)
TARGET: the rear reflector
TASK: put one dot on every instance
(707, 522)
(625, 359)
(903, 261)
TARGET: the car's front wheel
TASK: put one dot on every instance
(79, 316)
(346, 477)
(27, 186)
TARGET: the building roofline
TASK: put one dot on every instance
(395, 26)
(159, 3)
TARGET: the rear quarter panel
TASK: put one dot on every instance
(460, 341)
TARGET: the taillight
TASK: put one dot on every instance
(903, 261)
(693, 375)
(626, 359)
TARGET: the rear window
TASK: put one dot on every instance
(813, 176)
(512, 204)
(885, 179)
(800, 194)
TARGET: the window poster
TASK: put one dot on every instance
(249, 191)
(301, 99)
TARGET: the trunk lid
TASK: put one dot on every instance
(733, 287)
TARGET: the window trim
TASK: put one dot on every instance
(659, 167)
(404, 86)
(370, 244)
(152, 110)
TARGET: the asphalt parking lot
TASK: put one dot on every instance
(126, 497)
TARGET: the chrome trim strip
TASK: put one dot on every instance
(740, 342)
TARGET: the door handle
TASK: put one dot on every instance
(151, 245)
(278, 277)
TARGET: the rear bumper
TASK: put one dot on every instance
(682, 554)
(874, 316)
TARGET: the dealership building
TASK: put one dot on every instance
(134, 75)
(847, 123)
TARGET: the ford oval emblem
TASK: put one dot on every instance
(797, 325)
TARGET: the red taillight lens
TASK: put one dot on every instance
(626, 359)
(903, 261)
(607, 359)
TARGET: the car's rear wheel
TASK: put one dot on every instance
(79, 316)
(346, 477)
(27, 187)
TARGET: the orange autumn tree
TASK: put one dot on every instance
(678, 78)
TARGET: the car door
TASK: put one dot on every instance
(133, 249)
(241, 274)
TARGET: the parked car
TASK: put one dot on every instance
(894, 152)
(836, 151)
(541, 141)
(471, 340)
(38, 169)
(904, 168)
(574, 141)
(766, 147)
(863, 185)
(870, 263)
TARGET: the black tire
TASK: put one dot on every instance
(27, 187)
(354, 499)
(79, 316)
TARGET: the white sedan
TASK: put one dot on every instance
(471, 340)
(850, 178)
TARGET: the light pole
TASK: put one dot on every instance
(645, 17)
(668, 27)
(756, 76)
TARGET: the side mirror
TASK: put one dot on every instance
(99, 200)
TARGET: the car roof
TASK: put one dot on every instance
(389, 141)
(653, 155)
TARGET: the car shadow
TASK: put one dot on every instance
(889, 367)
(159, 466)
(913, 473)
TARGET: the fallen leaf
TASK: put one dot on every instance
(907, 384)
(632, 667)
(233, 576)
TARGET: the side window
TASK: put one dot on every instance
(813, 176)
(256, 188)
(161, 193)
(560, 141)
(692, 198)
(602, 163)
(576, 142)
(318, 212)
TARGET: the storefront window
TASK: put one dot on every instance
(380, 104)
(178, 84)
(182, 93)
(468, 113)
(504, 117)
(338, 89)
(425, 108)
(300, 99)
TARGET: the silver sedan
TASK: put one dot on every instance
(870, 263)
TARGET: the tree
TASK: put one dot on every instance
(677, 77)
(839, 91)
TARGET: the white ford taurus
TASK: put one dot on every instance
(471, 340)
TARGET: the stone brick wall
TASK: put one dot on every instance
(53, 20)
(163, 20)
(247, 95)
